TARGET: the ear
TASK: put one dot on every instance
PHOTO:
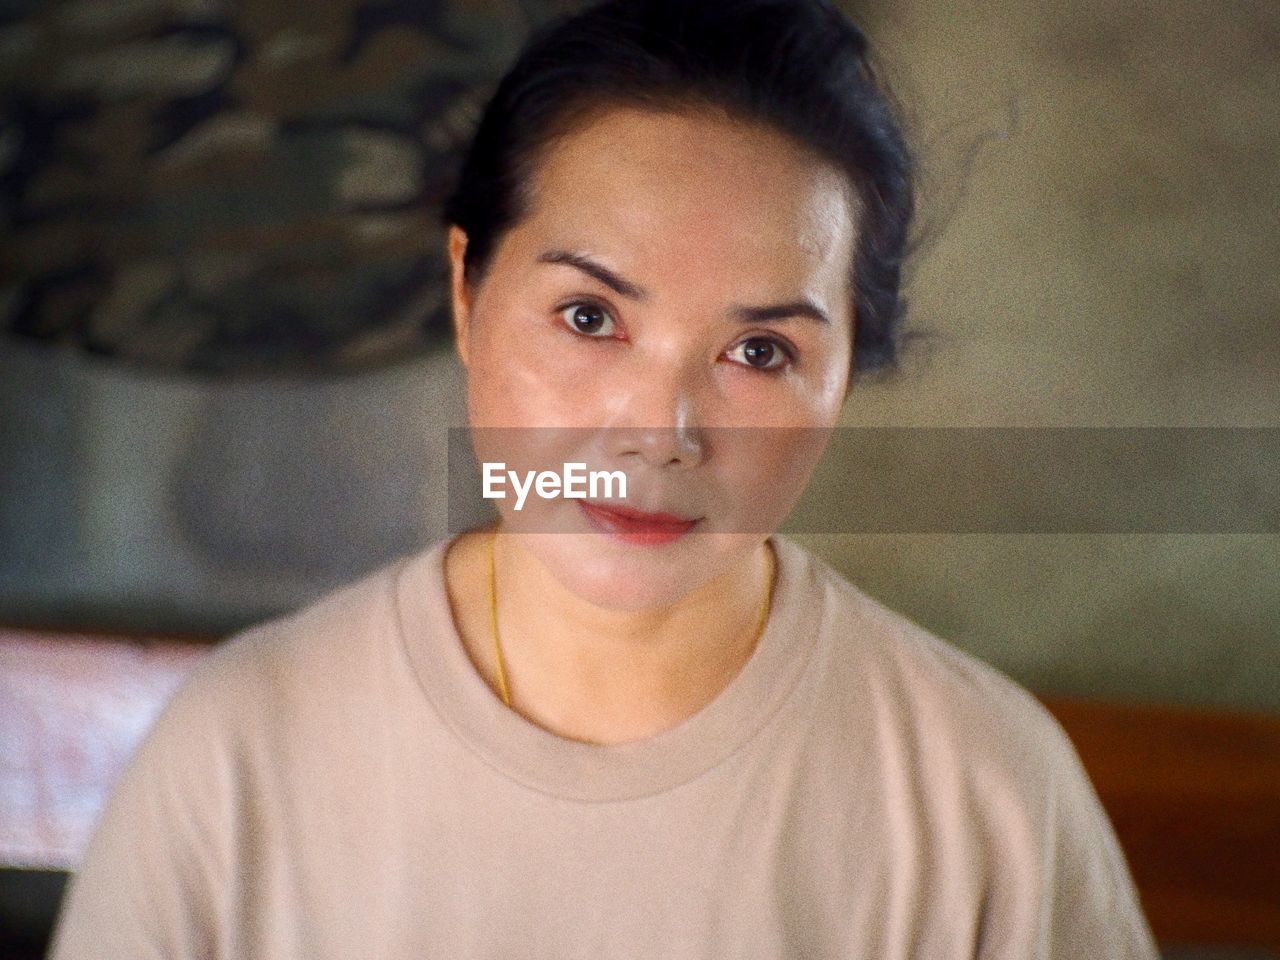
(459, 291)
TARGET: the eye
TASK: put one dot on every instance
(588, 319)
(761, 353)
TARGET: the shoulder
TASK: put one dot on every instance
(311, 642)
(288, 672)
(920, 692)
(973, 754)
(266, 696)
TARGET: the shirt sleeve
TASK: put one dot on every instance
(1063, 890)
(1090, 904)
(149, 885)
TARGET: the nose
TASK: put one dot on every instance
(655, 420)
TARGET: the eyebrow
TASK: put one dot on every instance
(625, 288)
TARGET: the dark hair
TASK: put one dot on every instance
(799, 66)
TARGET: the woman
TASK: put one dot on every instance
(647, 728)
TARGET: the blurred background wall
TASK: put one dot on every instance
(1108, 260)
(224, 382)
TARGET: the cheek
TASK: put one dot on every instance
(811, 398)
(764, 472)
(508, 383)
(524, 371)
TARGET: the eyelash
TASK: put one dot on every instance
(788, 352)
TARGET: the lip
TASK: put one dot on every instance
(636, 526)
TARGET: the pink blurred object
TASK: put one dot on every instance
(73, 707)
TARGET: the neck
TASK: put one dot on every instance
(602, 675)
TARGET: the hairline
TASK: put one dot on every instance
(584, 110)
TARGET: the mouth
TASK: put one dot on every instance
(636, 526)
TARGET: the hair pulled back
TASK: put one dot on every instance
(798, 66)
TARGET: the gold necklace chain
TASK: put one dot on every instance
(497, 642)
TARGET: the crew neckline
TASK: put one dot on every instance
(571, 769)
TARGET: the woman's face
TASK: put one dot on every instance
(675, 305)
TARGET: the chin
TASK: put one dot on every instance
(623, 576)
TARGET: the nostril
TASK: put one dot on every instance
(668, 446)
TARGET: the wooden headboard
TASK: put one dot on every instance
(1194, 794)
(1195, 798)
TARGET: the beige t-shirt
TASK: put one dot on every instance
(341, 783)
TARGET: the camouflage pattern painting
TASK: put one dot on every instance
(238, 187)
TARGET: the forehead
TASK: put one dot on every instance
(695, 186)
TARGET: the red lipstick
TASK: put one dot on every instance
(634, 526)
